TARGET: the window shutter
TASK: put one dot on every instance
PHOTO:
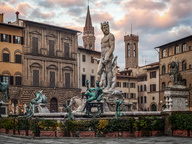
(11, 80)
(2, 37)
(22, 40)
(35, 78)
(9, 38)
(67, 80)
(51, 48)
(18, 80)
(52, 79)
(13, 39)
(66, 52)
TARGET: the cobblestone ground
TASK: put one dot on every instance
(144, 140)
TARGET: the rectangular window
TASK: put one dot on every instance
(52, 79)
(141, 99)
(145, 99)
(35, 78)
(138, 99)
(92, 60)
(153, 74)
(176, 49)
(83, 58)
(51, 48)
(118, 84)
(18, 80)
(92, 81)
(17, 58)
(145, 88)
(124, 84)
(67, 80)
(17, 39)
(132, 85)
(35, 45)
(152, 87)
(66, 46)
(5, 57)
(184, 47)
(11, 80)
(83, 80)
(5, 79)
(5, 38)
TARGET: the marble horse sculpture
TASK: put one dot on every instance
(40, 98)
(3, 88)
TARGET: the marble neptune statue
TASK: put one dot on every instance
(107, 65)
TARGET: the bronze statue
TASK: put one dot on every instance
(175, 75)
(69, 112)
(91, 96)
(29, 112)
(118, 104)
(3, 88)
(40, 98)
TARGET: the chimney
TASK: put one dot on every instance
(17, 17)
(1, 18)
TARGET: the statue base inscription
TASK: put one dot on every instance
(176, 98)
(4, 109)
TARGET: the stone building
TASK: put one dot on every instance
(128, 85)
(49, 63)
(179, 51)
(11, 68)
(131, 50)
(87, 67)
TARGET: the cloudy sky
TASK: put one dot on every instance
(155, 21)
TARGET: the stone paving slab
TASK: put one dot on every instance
(4, 139)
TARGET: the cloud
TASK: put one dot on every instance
(66, 3)
(37, 13)
(74, 11)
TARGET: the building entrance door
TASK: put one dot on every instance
(153, 107)
(53, 105)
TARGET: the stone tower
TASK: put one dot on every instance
(88, 33)
(131, 50)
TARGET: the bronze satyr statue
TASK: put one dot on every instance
(91, 96)
(29, 112)
(69, 114)
(175, 75)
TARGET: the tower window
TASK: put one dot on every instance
(90, 46)
(184, 47)
(134, 50)
(176, 49)
(128, 50)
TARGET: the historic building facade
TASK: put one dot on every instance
(87, 67)
(49, 63)
(179, 51)
(11, 68)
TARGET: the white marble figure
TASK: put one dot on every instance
(17, 109)
(24, 108)
(106, 65)
(13, 108)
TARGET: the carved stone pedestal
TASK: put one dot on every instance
(94, 109)
(176, 98)
(4, 109)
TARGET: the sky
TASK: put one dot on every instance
(156, 22)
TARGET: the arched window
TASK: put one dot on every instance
(184, 82)
(163, 85)
(153, 107)
(18, 78)
(164, 53)
(184, 48)
(163, 69)
(53, 105)
(6, 56)
(183, 65)
(17, 57)
(128, 50)
(90, 46)
(134, 50)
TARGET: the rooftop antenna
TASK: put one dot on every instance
(131, 28)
